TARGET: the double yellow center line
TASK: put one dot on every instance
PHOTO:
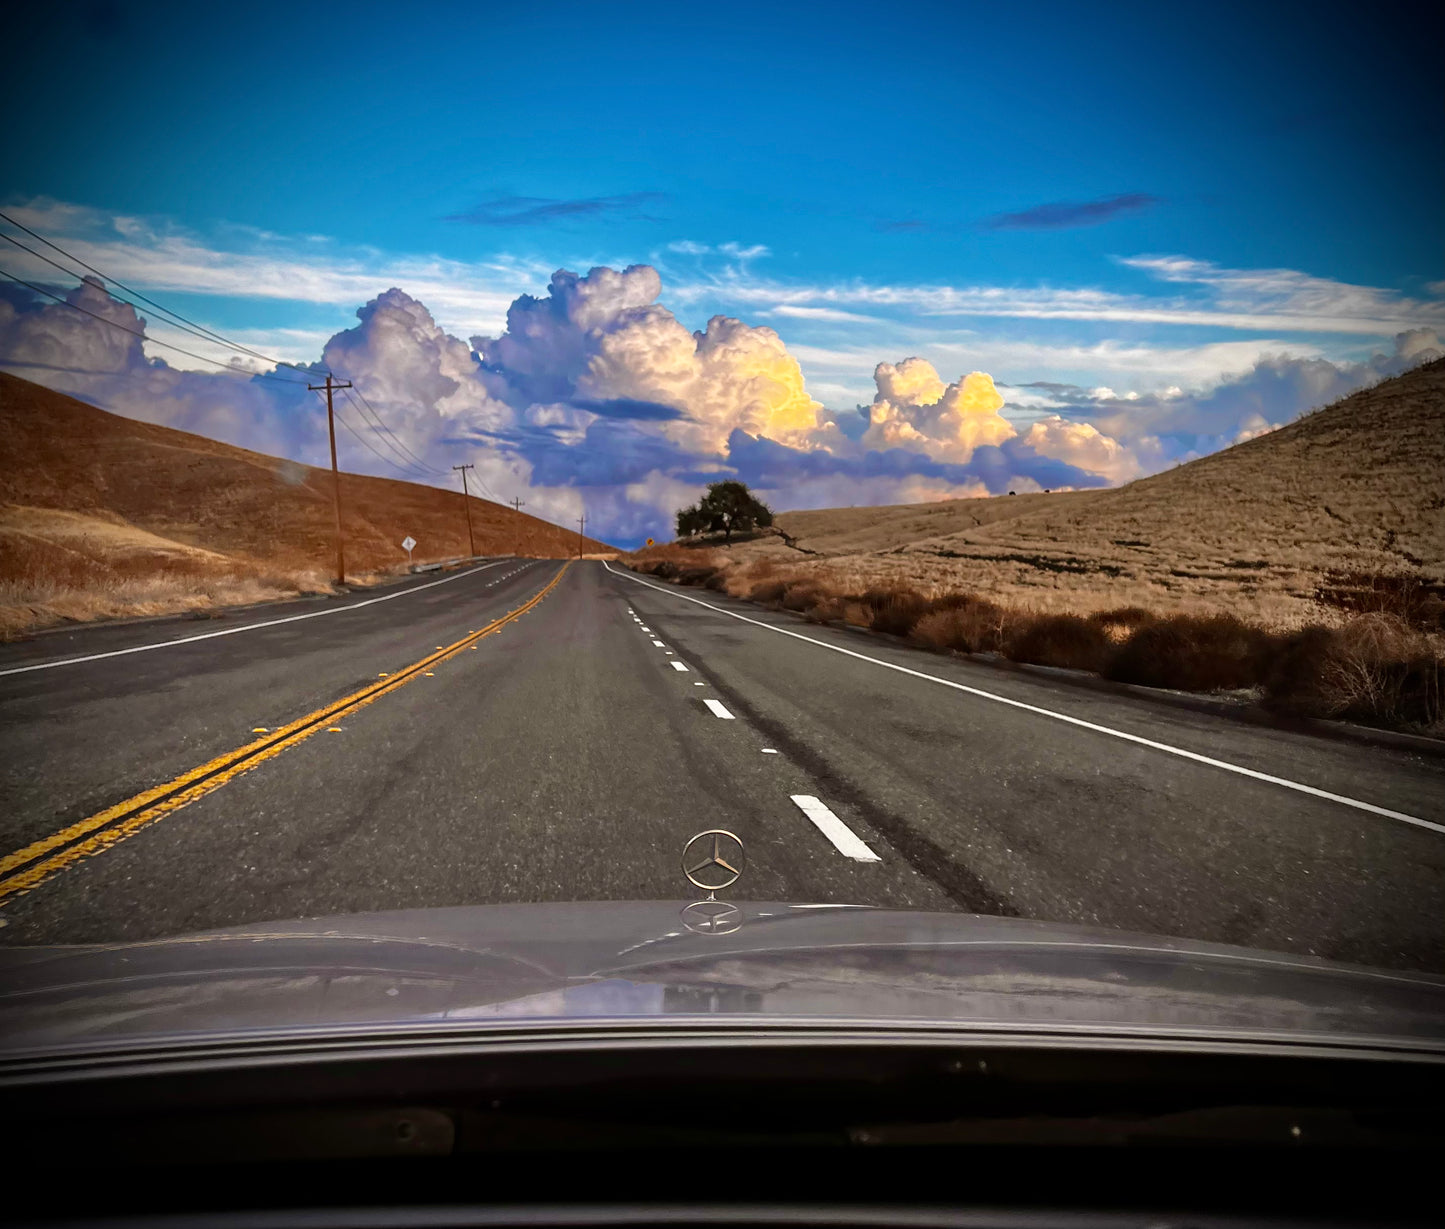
(29, 867)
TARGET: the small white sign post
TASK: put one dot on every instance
(406, 544)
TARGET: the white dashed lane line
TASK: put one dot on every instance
(845, 840)
(657, 644)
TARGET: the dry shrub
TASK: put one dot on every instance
(803, 595)
(1194, 653)
(977, 626)
(1375, 669)
(895, 610)
(1123, 616)
(696, 575)
(768, 592)
(1058, 640)
(826, 610)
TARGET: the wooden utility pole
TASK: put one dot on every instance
(467, 503)
(335, 477)
(519, 504)
(581, 524)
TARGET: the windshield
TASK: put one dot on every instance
(775, 469)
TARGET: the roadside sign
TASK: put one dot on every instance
(650, 542)
(406, 544)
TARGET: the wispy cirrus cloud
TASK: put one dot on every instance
(504, 210)
(250, 264)
(1201, 294)
(738, 251)
(831, 315)
(1064, 215)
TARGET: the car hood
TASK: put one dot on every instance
(506, 966)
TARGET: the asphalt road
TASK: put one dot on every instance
(565, 756)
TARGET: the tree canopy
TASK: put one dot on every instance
(727, 507)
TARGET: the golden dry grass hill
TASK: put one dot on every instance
(103, 516)
(1356, 489)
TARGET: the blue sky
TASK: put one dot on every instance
(988, 187)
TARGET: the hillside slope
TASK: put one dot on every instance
(1355, 487)
(104, 515)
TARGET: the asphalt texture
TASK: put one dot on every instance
(565, 757)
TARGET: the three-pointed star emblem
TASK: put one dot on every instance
(713, 859)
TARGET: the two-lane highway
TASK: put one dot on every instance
(570, 752)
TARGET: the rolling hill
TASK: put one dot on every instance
(102, 515)
(1356, 488)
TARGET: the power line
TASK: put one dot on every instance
(366, 443)
(402, 464)
(50, 294)
(195, 332)
(224, 366)
(200, 330)
(184, 321)
(381, 423)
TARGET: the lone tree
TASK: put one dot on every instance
(726, 507)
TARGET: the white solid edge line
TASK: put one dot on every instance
(250, 627)
(678, 666)
(845, 840)
(1064, 717)
(717, 710)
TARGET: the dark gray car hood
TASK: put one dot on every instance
(506, 966)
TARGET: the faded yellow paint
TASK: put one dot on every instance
(101, 830)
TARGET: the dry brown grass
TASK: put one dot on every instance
(103, 516)
(58, 567)
(26, 607)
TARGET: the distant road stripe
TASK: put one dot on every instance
(250, 627)
(658, 643)
(42, 859)
(718, 710)
(677, 665)
(845, 840)
(1169, 749)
